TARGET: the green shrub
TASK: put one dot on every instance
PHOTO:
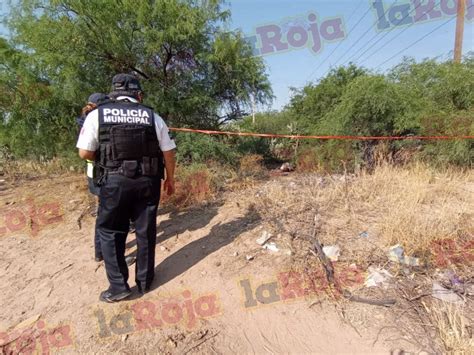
(199, 149)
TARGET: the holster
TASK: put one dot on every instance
(150, 166)
(130, 168)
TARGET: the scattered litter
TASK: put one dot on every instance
(377, 277)
(450, 279)
(264, 238)
(292, 185)
(287, 167)
(271, 246)
(364, 234)
(411, 261)
(124, 337)
(453, 278)
(397, 254)
(236, 253)
(250, 257)
(332, 252)
(443, 294)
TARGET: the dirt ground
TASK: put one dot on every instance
(216, 290)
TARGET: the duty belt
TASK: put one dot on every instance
(129, 168)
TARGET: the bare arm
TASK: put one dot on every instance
(170, 163)
(86, 154)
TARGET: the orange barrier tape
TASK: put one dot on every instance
(361, 138)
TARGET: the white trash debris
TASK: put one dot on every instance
(264, 238)
(287, 167)
(411, 261)
(443, 294)
(249, 257)
(397, 254)
(332, 252)
(271, 246)
(377, 277)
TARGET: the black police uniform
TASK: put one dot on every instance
(130, 170)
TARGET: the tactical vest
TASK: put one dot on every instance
(128, 143)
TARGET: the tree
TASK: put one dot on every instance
(34, 120)
(442, 86)
(193, 71)
(314, 101)
(428, 98)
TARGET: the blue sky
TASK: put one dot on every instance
(297, 67)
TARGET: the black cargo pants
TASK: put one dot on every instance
(123, 199)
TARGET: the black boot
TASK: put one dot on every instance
(111, 297)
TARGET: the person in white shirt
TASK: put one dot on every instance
(132, 149)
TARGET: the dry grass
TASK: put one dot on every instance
(412, 206)
(251, 167)
(429, 212)
(451, 327)
(25, 169)
(193, 187)
(417, 206)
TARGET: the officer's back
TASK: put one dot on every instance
(131, 147)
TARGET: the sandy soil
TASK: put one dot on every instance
(208, 297)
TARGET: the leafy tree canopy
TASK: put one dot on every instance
(194, 72)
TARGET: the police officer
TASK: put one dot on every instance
(92, 102)
(131, 146)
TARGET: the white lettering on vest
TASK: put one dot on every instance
(126, 119)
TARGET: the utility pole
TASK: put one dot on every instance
(459, 30)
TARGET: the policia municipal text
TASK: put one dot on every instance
(131, 147)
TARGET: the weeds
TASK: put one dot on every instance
(451, 325)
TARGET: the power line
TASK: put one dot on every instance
(417, 41)
(339, 44)
(355, 43)
(385, 35)
(391, 40)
